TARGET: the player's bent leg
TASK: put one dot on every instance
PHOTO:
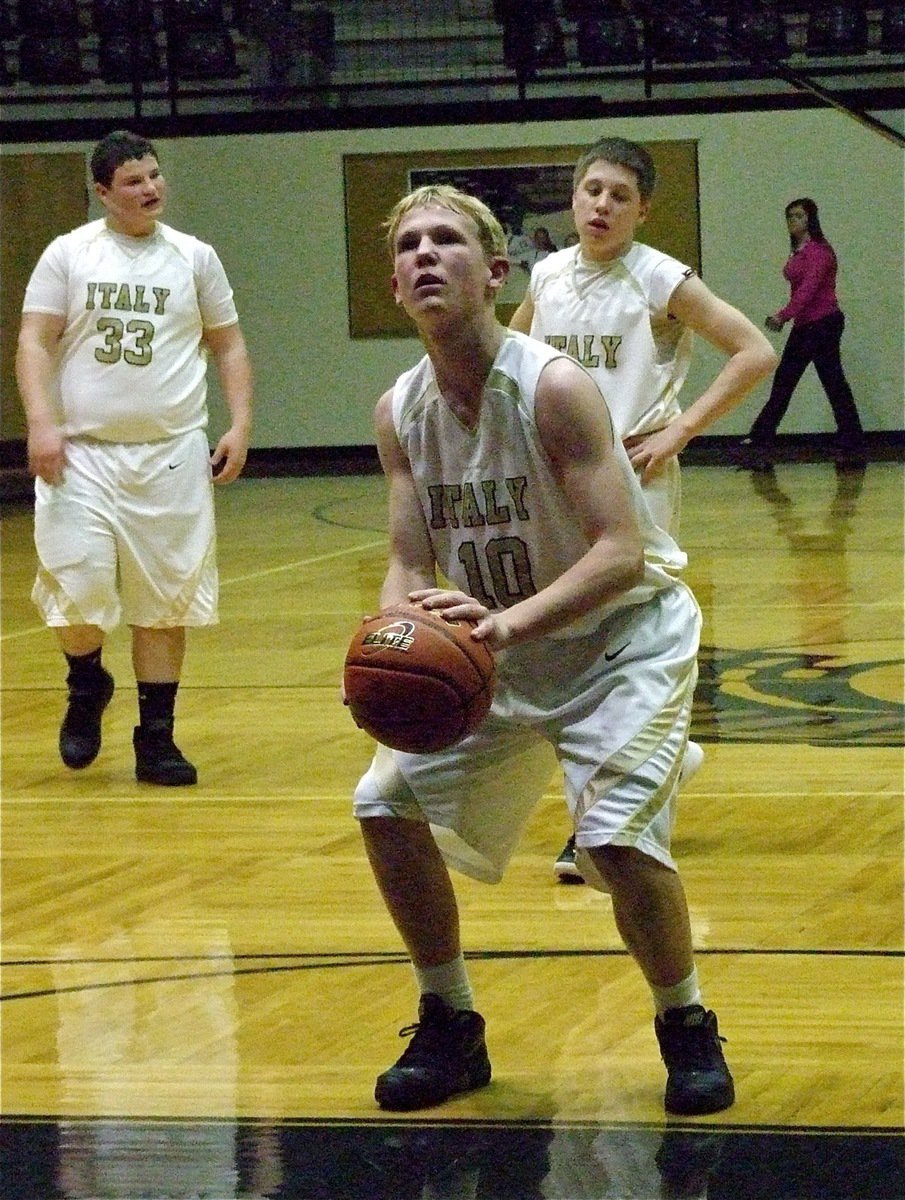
(447, 1054)
(409, 808)
(650, 911)
(651, 914)
(415, 885)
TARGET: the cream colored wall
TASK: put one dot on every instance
(272, 204)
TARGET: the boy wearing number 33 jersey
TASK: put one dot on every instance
(119, 318)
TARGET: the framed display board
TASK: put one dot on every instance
(528, 188)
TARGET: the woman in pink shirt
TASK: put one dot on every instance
(817, 324)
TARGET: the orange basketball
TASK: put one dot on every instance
(417, 682)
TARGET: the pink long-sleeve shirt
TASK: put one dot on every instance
(811, 271)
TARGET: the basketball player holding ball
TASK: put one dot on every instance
(505, 479)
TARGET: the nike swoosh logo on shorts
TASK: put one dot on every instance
(173, 466)
(609, 657)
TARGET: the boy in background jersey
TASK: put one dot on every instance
(118, 319)
(627, 313)
(575, 590)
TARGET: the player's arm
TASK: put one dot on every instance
(523, 316)
(749, 358)
(227, 345)
(411, 566)
(36, 368)
(577, 435)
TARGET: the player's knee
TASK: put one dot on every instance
(83, 599)
(383, 792)
(619, 865)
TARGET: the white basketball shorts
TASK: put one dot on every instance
(613, 708)
(128, 535)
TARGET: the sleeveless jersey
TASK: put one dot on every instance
(132, 366)
(500, 525)
(612, 318)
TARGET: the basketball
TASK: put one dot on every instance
(415, 681)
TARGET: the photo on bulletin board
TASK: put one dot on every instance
(532, 203)
(529, 190)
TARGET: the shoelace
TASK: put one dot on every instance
(427, 1040)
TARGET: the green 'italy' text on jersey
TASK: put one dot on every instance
(612, 319)
(499, 522)
(132, 360)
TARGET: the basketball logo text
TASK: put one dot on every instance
(398, 636)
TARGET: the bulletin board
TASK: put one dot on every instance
(519, 183)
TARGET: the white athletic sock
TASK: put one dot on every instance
(449, 981)
(679, 995)
(691, 763)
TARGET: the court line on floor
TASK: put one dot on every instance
(326, 960)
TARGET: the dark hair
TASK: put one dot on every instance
(810, 210)
(116, 148)
(623, 153)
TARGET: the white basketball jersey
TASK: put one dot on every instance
(132, 365)
(500, 524)
(612, 318)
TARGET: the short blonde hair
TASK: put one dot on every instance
(490, 232)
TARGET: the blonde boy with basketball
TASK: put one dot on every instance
(576, 591)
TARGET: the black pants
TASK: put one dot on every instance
(817, 343)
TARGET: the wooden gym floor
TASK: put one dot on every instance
(199, 986)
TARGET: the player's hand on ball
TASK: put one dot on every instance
(490, 628)
(493, 631)
(454, 605)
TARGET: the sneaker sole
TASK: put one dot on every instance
(401, 1103)
(692, 1107)
(148, 777)
(692, 763)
